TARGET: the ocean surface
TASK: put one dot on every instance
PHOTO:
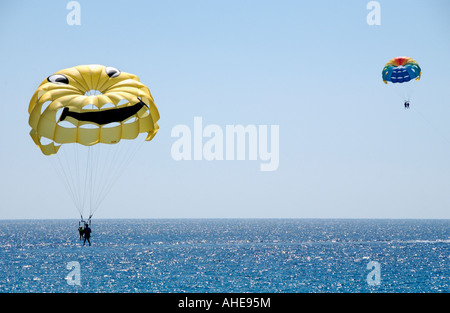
(226, 255)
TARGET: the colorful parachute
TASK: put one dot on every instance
(402, 73)
(401, 70)
(89, 118)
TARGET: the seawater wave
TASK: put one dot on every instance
(226, 255)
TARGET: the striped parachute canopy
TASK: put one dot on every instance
(401, 70)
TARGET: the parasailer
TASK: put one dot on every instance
(402, 71)
(81, 232)
(87, 234)
(91, 119)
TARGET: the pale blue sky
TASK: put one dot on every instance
(348, 148)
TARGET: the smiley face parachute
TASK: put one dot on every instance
(402, 73)
(91, 119)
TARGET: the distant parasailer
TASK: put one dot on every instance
(402, 72)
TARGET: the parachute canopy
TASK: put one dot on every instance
(90, 120)
(90, 104)
(401, 70)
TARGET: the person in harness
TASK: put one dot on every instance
(84, 228)
(81, 231)
(87, 234)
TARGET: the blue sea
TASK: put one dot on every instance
(226, 255)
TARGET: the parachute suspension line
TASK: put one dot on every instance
(107, 172)
(86, 174)
(97, 177)
(403, 90)
(117, 163)
(79, 176)
(71, 163)
(59, 169)
(93, 178)
(89, 176)
(100, 177)
(76, 164)
(90, 172)
(90, 168)
(63, 168)
(99, 165)
(103, 166)
(71, 167)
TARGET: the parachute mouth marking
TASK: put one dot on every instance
(106, 116)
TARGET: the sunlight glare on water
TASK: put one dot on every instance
(226, 255)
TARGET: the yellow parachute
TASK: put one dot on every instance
(77, 112)
(85, 91)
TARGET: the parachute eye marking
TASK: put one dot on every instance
(112, 71)
(58, 78)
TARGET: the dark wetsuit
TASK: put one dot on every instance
(87, 235)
